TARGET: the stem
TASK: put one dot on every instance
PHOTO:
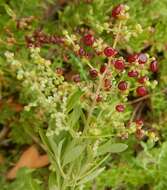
(90, 171)
(147, 96)
(99, 87)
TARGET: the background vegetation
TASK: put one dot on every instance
(143, 165)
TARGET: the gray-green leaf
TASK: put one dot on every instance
(73, 154)
(110, 147)
(91, 176)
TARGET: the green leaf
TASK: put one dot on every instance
(75, 115)
(110, 147)
(73, 154)
(73, 99)
(9, 11)
(91, 176)
(53, 182)
(163, 160)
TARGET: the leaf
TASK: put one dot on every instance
(9, 11)
(25, 181)
(73, 154)
(80, 66)
(75, 115)
(163, 160)
(52, 182)
(60, 146)
(53, 145)
(91, 176)
(110, 147)
(30, 159)
(73, 99)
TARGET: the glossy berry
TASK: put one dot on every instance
(119, 64)
(81, 52)
(76, 78)
(107, 84)
(139, 134)
(117, 10)
(154, 66)
(132, 58)
(99, 98)
(120, 107)
(139, 122)
(88, 39)
(102, 69)
(123, 85)
(133, 73)
(93, 73)
(142, 58)
(142, 79)
(141, 91)
(60, 71)
(109, 52)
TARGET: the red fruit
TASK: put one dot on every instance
(123, 85)
(141, 91)
(142, 58)
(93, 73)
(107, 84)
(133, 73)
(117, 10)
(139, 134)
(81, 52)
(99, 98)
(102, 69)
(76, 78)
(119, 64)
(132, 58)
(139, 122)
(109, 51)
(88, 39)
(142, 79)
(154, 66)
(60, 71)
(120, 107)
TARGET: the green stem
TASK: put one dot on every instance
(94, 168)
(101, 79)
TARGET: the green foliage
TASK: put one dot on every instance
(83, 139)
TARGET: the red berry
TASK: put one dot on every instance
(142, 79)
(81, 52)
(99, 98)
(139, 134)
(109, 51)
(93, 73)
(107, 84)
(76, 78)
(120, 107)
(133, 73)
(141, 91)
(117, 10)
(123, 85)
(119, 64)
(132, 58)
(102, 69)
(139, 122)
(154, 66)
(88, 39)
(142, 58)
(60, 71)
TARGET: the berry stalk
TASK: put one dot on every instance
(101, 78)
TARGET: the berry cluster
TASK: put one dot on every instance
(39, 38)
(113, 74)
(132, 70)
